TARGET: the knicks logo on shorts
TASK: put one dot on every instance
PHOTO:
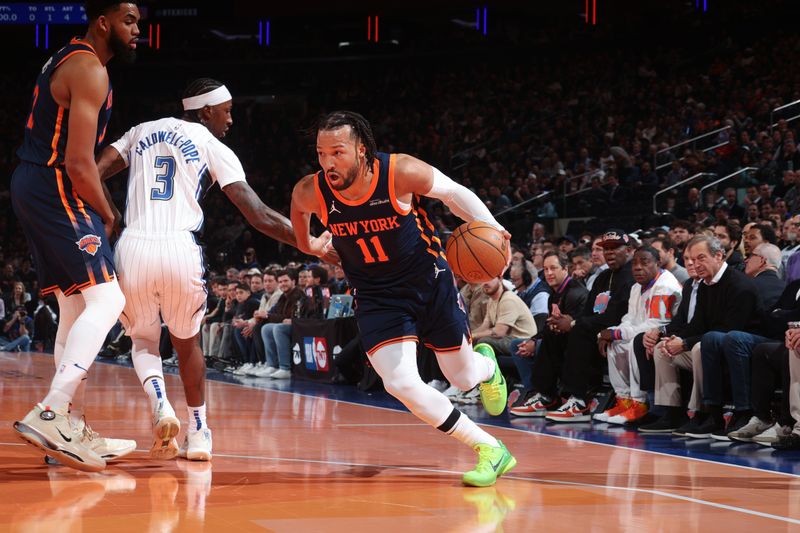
(89, 244)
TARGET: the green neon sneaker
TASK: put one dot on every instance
(494, 393)
(493, 462)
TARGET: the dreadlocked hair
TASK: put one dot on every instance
(360, 126)
(96, 8)
(196, 88)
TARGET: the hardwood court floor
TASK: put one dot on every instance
(286, 462)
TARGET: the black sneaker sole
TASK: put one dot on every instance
(657, 431)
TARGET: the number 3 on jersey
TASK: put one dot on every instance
(167, 166)
(376, 243)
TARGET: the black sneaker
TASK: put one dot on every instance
(692, 425)
(790, 442)
(668, 423)
(737, 422)
(706, 428)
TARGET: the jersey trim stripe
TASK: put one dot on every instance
(323, 209)
(90, 52)
(396, 340)
(392, 192)
(56, 135)
(368, 195)
(64, 201)
(49, 290)
(443, 350)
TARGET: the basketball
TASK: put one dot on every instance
(477, 252)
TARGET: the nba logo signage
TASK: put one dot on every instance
(316, 353)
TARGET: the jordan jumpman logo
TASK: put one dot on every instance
(333, 208)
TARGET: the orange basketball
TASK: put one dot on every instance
(477, 252)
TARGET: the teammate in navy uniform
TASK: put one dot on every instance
(58, 198)
(404, 289)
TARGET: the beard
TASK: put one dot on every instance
(349, 178)
(121, 48)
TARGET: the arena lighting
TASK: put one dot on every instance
(372, 35)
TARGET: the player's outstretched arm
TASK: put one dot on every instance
(87, 83)
(258, 214)
(413, 176)
(304, 204)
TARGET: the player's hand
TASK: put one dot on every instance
(332, 257)
(507, 237)
(319, 246)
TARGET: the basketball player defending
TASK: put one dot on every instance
(404, 288)
(172, 164)
(58, 198)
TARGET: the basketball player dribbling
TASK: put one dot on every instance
(59, 201)
(404, 289)
(172, 164)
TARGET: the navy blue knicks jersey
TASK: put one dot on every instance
(46, 128)
(380, 243)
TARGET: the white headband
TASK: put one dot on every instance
(217, 96)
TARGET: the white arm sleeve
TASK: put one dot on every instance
(461, 201)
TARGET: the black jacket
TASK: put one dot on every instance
(618, 283)
(787, 309)
(571, 300)
(731, 304)
(770, 287)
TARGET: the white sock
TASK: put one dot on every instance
(157, 394)
(197, 418)
(460, 427)
(76, 407)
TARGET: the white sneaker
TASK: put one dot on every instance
(197, 445)
(439, 385)
(255, 370)
(242, 370)
(267, 371)
(772, 435)
(50, 431)
(470, 397)
(281, 373)
(452, 392)
(107, 448)
(752, 429)
(166, 427)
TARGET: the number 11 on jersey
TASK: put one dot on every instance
(376, 243)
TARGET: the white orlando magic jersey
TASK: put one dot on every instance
(172, 163)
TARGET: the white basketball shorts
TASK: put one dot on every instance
(161, 276)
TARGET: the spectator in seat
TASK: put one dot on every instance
(578, 360)
(214, 316)
(666, 251)
(277, 332)
(730, 236)
(653, 301)
(533, 292)
(770, 370)
(17, 331)
(246, 306)
(758, 234)
(733, 349)
(568, 296)
(680, 233)
(727, 300)
(507, 318)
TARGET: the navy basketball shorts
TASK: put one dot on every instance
(430, 311)
(66, 236)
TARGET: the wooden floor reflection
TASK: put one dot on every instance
(290, 463)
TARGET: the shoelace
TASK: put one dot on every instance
(533, 399)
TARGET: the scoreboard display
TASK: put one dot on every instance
(42, 13)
